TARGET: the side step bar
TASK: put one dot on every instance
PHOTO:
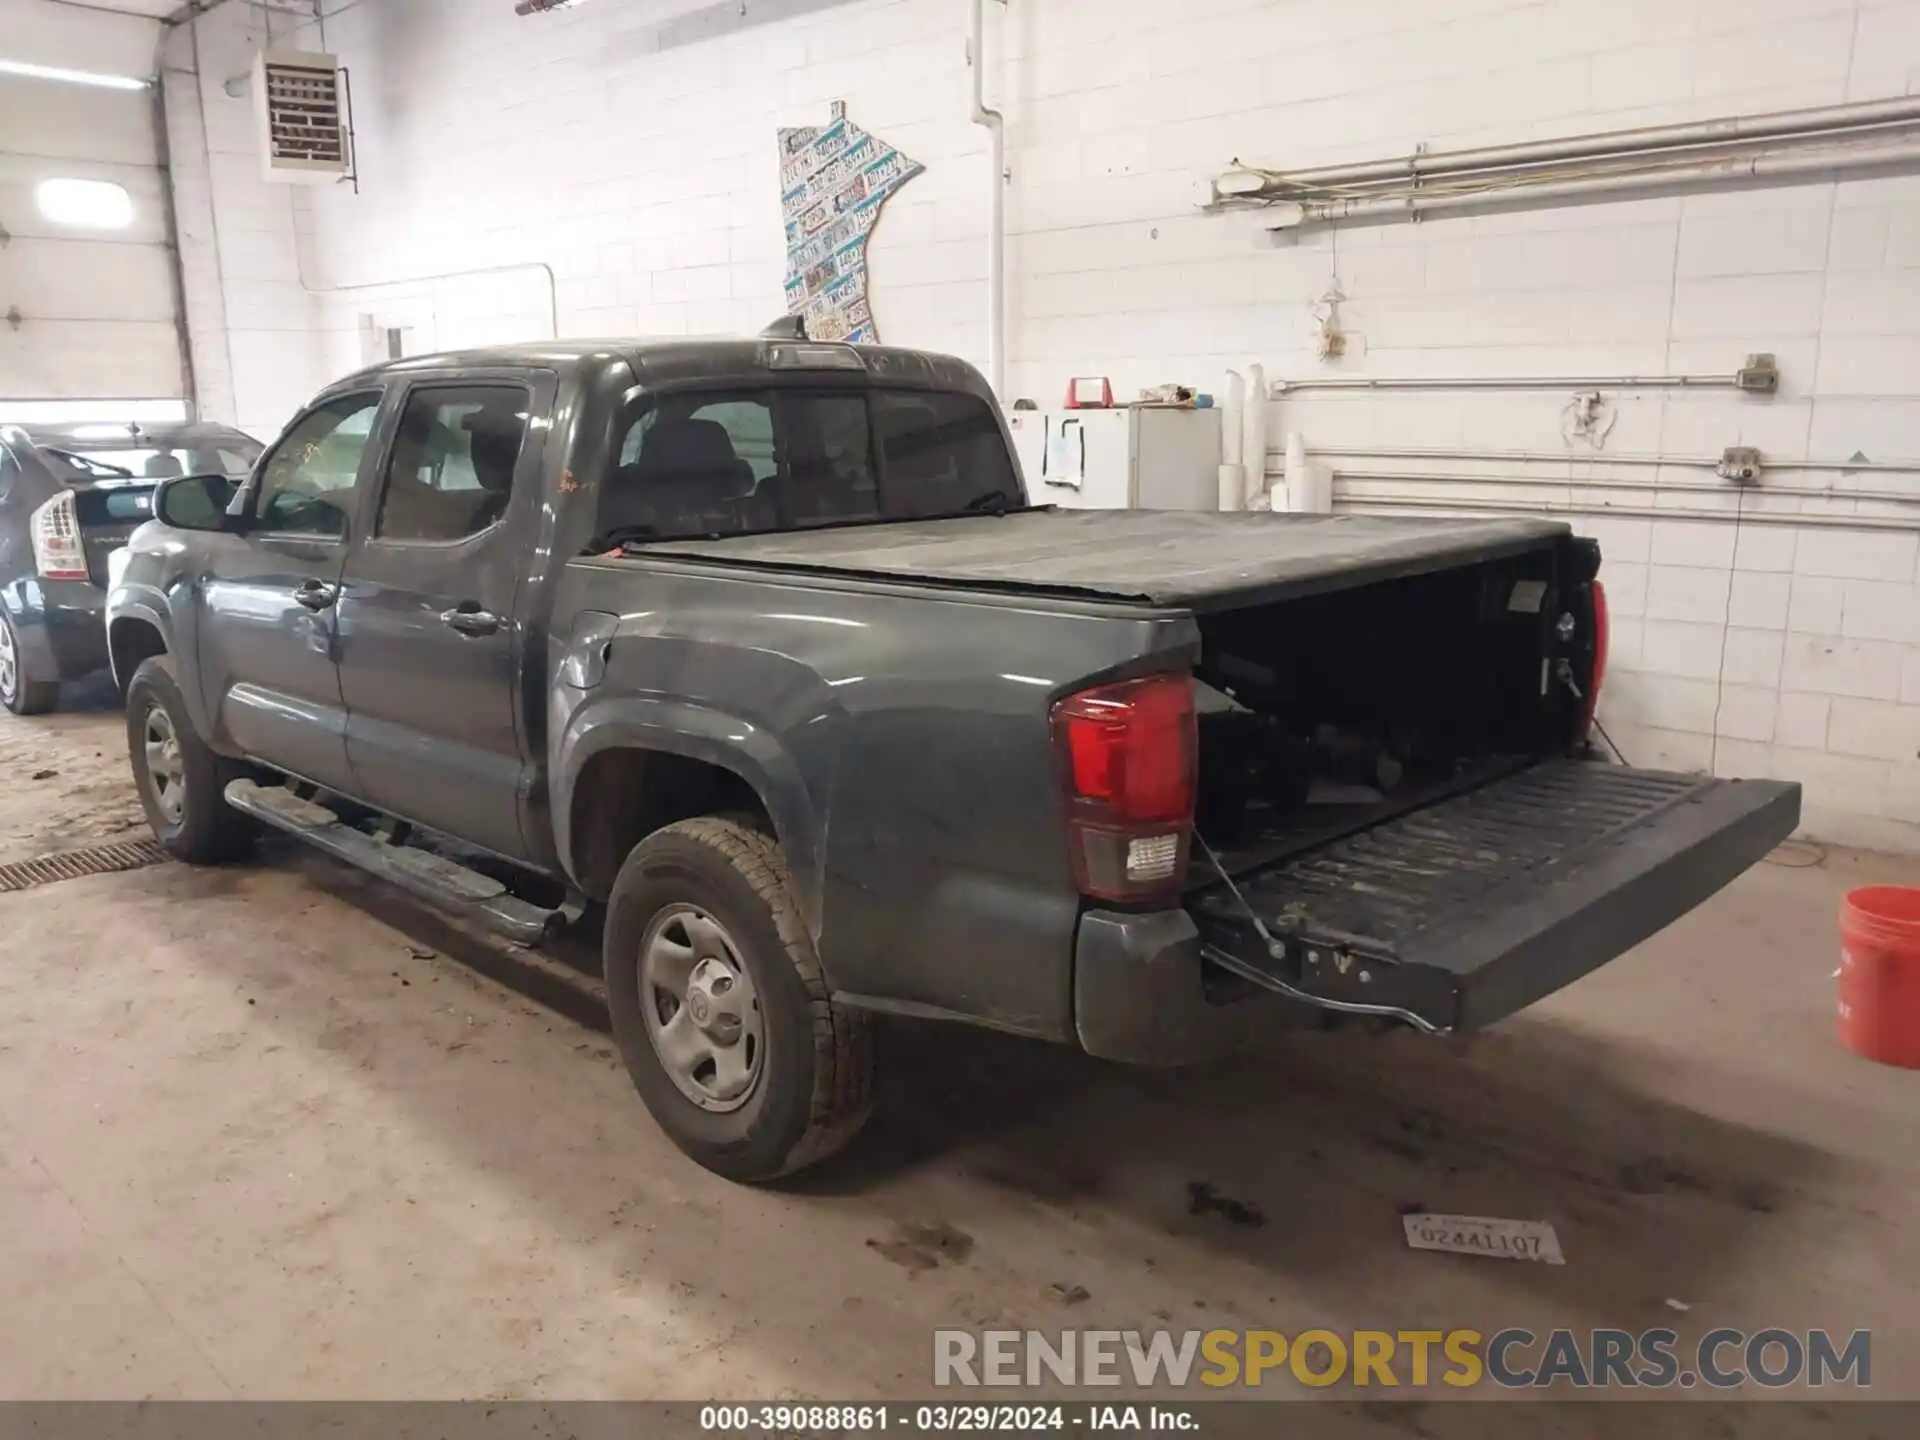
(430, 877)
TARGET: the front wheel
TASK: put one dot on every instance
(20, 694)
(721, 1009)
(182, 782)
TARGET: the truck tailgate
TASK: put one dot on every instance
(1459, 914)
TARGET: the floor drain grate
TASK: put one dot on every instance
(72, 864)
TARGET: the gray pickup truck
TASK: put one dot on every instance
(758, 644)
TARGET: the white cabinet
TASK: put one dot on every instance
(1140, 458)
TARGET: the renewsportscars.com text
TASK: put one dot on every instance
(1512, 1359)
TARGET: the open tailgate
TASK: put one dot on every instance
(1460, 913)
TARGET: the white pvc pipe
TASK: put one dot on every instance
(1294, 214)
(1233, 405)
(1822, 120)
(1233, 487)
(995, 125)
(1233, 474)
(1253, 433)
(1296, 473)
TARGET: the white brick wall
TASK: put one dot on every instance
(643, 173)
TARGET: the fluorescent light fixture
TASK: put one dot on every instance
(70, 412)
(85, 204)
(71, 77)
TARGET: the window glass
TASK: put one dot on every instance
(722, 464)
(694, 464)
(308, 485)
(940, 453)
(453, 461)
(152, 464)
(829, 458)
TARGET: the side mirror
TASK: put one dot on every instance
(196, 502)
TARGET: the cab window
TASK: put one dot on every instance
(454, 455)
(697, 463)
(307, 486)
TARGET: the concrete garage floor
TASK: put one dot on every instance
(260, 1136)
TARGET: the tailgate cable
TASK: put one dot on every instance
(1278, 950)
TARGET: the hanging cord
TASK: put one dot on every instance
(1564, 672)
(1610, 745)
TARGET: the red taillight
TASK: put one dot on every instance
(1127, 759)
(1598, 674)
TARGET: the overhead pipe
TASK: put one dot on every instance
(1284, 388)
(1677, 487)
(1414, 204)
(1360, 504)
(1546, 457)
(995, 125)
(1730, 129)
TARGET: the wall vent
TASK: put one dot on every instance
(300, 117)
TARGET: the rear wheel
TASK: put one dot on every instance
(182, 782)
(20, 694)
(721, 1009)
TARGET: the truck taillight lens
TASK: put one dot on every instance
(1601, 628)
(1127, 756)
(55, 528)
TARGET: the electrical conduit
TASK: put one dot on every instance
(995, 125)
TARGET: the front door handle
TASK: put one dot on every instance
(470, 619)
(317, 594)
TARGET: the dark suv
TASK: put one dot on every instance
(70, 495)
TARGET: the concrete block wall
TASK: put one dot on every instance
(251, 321)
(618, 162)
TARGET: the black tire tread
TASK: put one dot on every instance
(841, 1041)
(34, 697)
(842, 1038)
(30, 697)
(213, 832)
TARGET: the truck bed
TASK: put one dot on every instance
(1160, 558)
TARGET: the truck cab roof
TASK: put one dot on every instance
(672, 361)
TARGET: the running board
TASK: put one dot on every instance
(431, 877)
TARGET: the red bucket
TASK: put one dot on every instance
(1880, 974)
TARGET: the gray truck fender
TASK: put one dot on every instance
(150, 608)
(679, 728)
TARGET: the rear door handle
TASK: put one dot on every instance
(470, 619)
(317, 594)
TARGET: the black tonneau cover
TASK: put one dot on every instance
(1155, 557)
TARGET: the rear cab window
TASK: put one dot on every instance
(736, 461)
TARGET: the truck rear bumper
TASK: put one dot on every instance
(1139, 995)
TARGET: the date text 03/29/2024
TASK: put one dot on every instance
(943, 1419)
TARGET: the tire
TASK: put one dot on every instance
(189, 812)
(21, 695)
(812, 1089)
